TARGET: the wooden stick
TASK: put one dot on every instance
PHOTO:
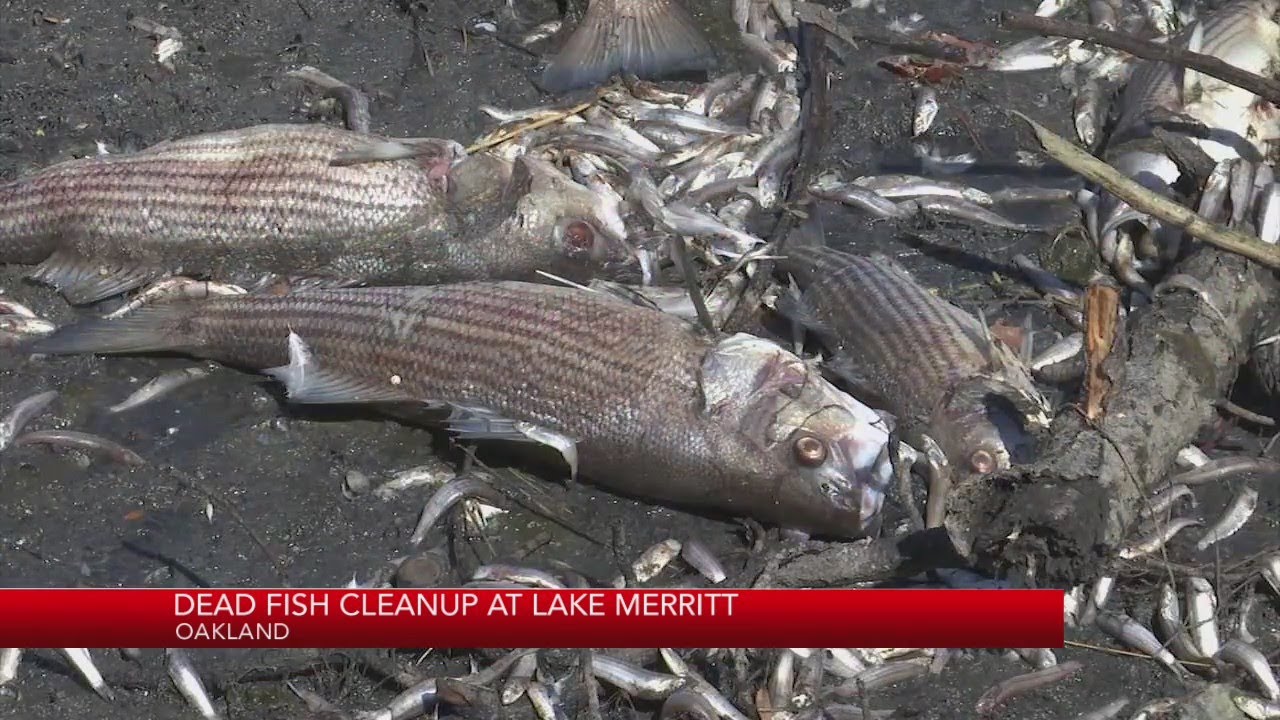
(1213, 67)
(1144, 200)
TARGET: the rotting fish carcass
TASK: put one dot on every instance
(1237, 125)
(308, 200)
(638, 400)
(924, 360)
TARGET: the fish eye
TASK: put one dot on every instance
(982, 461)
(809, 451)
(580, 235)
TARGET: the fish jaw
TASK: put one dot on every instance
(830, 449)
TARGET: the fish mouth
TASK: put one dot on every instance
(859, 475)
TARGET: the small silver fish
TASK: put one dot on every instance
(160, 386)
(1234, 518)
(1156, 540)
(1132, 633)
(185, 678)
(1202, 615)
(925, 110)
(1249, 659)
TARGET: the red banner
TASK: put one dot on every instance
(461, 618)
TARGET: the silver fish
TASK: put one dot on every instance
(1234, 518)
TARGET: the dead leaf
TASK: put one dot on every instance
(1011, 335)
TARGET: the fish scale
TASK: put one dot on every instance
(651, 407)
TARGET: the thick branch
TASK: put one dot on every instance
(1074, 506)
(1213, 67)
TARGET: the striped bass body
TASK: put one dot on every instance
(288, 199)
(635, 399)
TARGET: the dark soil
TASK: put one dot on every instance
(73, 74)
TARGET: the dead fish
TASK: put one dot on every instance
(650, 39)
(700, 558)
(19, 327)
(22, 413)
(1038, 658)
(1165, 500)
(895, 186)
(159, 387)
(924, 360)
(1202, 615)
(523, 576)
(10, 658)
(867, 200)
(1132, 633)
(964, 210)
(1270, 570)
(185, 678)
(1157, 539)
(1061, 351)
(1249, 659)
(268, 199)
(1222, 468)
(1032, 54)
(1256, 708)
(1002, 691)
(451, 493)
(82, 441)
(82, 661)
(634, 681)
(1240, 33)
(768, 437)
(519, 679)
(106, 224)
(1234, 518)
(1168, 620)
(925, 110)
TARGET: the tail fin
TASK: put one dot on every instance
(647, 38)
(153, 328)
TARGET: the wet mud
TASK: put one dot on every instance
(242, 490)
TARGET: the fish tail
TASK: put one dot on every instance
(154, 328)
(647, 38)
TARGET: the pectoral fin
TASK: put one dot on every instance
(307, 382)
(83, 281)
(474, 423)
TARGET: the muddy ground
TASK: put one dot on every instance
(74, 74)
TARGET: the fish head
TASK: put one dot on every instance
(571, 221)
(828, 450)
(982, 429)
